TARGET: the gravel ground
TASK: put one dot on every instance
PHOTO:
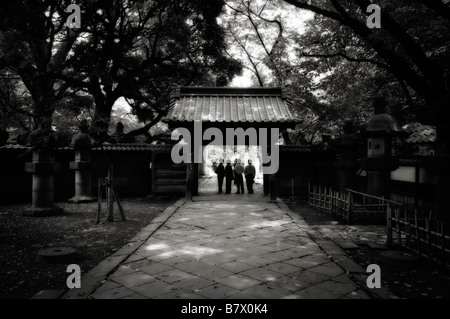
(23, 274)
(423, 280)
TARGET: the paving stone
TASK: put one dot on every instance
(194, 283)
(218, 259)
(236, 266)
(217, 292)
(277, 256)
(307, 261)
(310, 277)
(345, 279)
(194, 267)
(289, 283)
(326, 270)
(332, 249)
(302, 251)
(173, 275)
(347, 244)
(135, 279)
(292, 296)
(317, 293)
(138, 264)
(214, 273)
(239, 282)
(241, 295)
(153, 289)
(282, 268)
(263, 274)
(164, 257)
(175, 259)
(180, 294)
(155, 268)
(266, 292)
(253, 250)
(337, 287)
(256, 261)
(108, 285)
(348, 264)
(357, 294)
(115, 293)
(123, 270)
(134, 296)
(134, 257)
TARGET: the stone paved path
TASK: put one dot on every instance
(230, 248)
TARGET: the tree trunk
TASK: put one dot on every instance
(102, 116)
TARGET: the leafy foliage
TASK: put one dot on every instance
(336, 66)
(138, 50)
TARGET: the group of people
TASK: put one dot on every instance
(236, 173)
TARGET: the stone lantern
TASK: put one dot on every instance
(82, 143)
(379, 163)
(42, 167)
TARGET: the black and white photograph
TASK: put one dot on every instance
(225, 153)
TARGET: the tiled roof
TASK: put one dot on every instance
(295, 148)
(419, 133)
(238, 105)
(134, 147)
(107, 147)
(14, 147)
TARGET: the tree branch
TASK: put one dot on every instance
(144, 130)
(348, 58)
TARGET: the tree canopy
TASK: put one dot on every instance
(335, 65)
(138, 50)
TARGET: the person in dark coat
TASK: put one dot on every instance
(228, 177)
(249, 173)
(220, 171)
(238, 177)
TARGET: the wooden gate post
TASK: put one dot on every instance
(189, 176)
(389, 225)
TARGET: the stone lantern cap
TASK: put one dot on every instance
(384, 123)
(381, 123)
(82, 140)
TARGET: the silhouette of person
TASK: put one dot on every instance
(220, 171)
(228, 177)
(250, 173)
(239, 178)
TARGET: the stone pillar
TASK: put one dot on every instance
(189, 174)
(82, 143)
(347, 164)
(203, 166)
(43, 168)
(83, 177)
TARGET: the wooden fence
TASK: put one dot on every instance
(351, 206)
(418, 231)
(329, 200)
